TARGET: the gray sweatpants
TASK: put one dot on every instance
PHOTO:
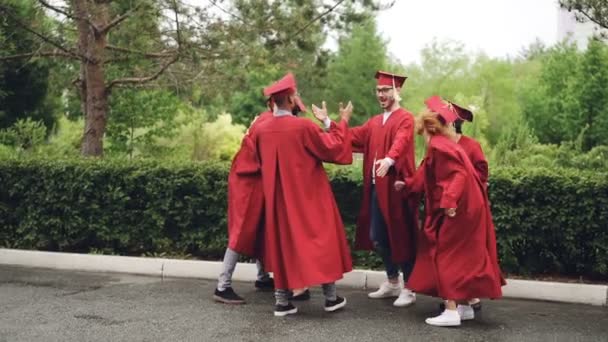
(230, 259)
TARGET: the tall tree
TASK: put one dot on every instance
(91, 47)
(286, 36)
(183, 41)
(592, 94)
(24, 85)
(549, 102)
(589, 10)
(350, 74)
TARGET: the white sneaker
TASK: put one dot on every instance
(406, 298)
(466, 312)
(386, 290)
(448, 318)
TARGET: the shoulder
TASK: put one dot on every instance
(443, 145)
(469, 142)
(302, 123)
(374, 118)
(403, 112)
(403, 115)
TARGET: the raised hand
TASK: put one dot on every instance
(320, 113)
(346, 112)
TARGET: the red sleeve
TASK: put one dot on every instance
(328, 146)
(450, 175)
(246, 160)
(345, 156)
(359, 136)
(415, 184)
(403, 138)
(480, 163)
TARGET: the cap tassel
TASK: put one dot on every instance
(396, 95)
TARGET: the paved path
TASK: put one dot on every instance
(49, 305)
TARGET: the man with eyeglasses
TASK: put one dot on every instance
(386, 223)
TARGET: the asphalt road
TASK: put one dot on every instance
(50, 305)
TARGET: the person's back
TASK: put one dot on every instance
(475, 154)
(303, 225)
(304, 239)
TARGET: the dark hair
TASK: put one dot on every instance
(458, 126)
(281, 99)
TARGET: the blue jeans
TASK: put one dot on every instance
(379, 236)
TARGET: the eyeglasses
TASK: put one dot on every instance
(383, 91)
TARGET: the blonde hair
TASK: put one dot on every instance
(428, 121)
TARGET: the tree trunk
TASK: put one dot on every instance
(97, 107)
(94, 94)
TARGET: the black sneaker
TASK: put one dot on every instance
(334, 305)
(476, 307)
(228, 296)
(301, 297)
(265, 285)
(284, 310)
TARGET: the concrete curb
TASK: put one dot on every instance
(515, 288)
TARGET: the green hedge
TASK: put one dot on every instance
(548, 221)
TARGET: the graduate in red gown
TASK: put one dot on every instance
(470, 146)
(245, 214)
(457, 257)
(386, 223)
(245, 210)
(304, 238)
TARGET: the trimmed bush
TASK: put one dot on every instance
(547, 221)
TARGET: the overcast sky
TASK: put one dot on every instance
(496, 27)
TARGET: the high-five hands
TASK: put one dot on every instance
(321, 113)
(346, 112)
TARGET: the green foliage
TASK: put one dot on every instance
(570, 95)
(196, 139)
(249, 102)
(65, 139)
(490, 85)
(129, 208)
(24, 135)
(551, 221)
(547, 221)
(24, 83)
(593, 94)
(351, 72)
(137, 118)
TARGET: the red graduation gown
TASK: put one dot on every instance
(394, 139)
(245, 198)
(304, 238)
(456, 257)
(473, 150)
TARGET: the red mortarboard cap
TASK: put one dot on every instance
(386, 79)
(463, 113)
(443, 108)
(287, 83)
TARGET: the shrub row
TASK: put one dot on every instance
(548, 221)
